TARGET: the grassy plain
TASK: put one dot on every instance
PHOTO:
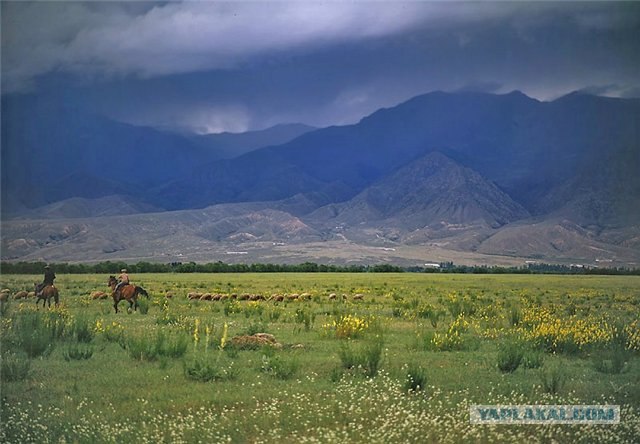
(401, 365)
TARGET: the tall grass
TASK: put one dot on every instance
(321, 386)
(365, 358)
(510, 356)
(14, 366)
(553, 378)
(34, 335)
(149, 348)
(416, 378)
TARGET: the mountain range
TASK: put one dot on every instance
(467, 176)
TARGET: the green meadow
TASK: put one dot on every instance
(317, 357)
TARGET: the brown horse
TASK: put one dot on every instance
(128, 292)
(48, 292)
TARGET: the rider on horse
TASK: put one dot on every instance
(123, 280)
(49, 277)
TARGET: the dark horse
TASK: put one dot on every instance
(48, 292)
(128, 292)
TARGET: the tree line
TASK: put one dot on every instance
(109, 267)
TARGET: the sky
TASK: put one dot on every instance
(209, 67)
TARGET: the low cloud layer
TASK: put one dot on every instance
(215, 66)
(107, 39)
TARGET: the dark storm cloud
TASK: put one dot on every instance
(232, 66)
(177, 37)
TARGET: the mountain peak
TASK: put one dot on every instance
(432, 190)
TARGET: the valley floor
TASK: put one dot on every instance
(367, 357)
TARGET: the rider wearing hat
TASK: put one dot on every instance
(123, 279)
(49, 277)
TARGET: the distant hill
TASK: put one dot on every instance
(542, 154)
(454, 175)
(52, 152)
(169, 236)
(79, 207)
(431, 191)
(230, 145)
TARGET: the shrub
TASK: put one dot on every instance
(545, 329)
(366, 359)
(255, 327)
(151, 348)
(348, 357)
(76, 352)
(510, 356)
(460, 306)
(4, 308)
(253, 308)
(305, 317)
(515, 316)
(56, 321)
(82, 329)
(143, 306)
(372, 356)
(33, 334)
(416, 378)
(553, 378)
(175, 347)
(231, 307)
(277, 366)
(428, 311)
(611, 361)
(142, 348)
(347, 326)
(113, 332)
(274, 313)
(532, 358)
(630, 335)
(166, 317)
(452, 339)
(206, 369)
(14, 366)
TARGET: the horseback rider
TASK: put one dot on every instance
(123, 279)
(49, 277)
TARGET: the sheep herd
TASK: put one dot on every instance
(276, 297)
(6, 293)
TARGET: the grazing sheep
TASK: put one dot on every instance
(194, 295)
(4, 296)
(244, 297)
(216, 297)
(32, 294)
(206, 297)
(333, 296)
(344, 297)
(358, 297)
(169, 295)
(305, 296)
(98, 295)
(293, 297)
(224, 297)
(21, 295)
(277, 298)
